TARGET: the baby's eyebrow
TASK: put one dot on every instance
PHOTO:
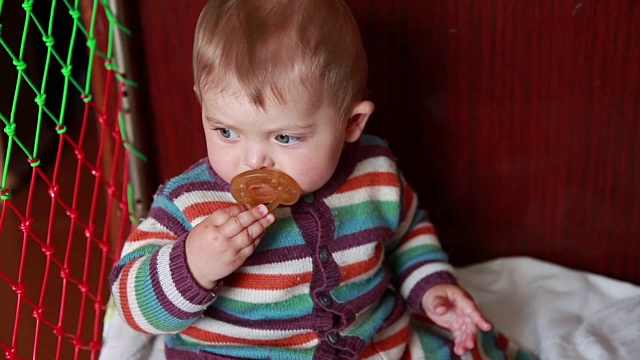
(302, 127)
(213, 120)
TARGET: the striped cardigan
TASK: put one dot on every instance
(330, 279)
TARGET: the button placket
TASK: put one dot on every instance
(319, 231)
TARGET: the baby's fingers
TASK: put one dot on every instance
(476, 317)
(482, 323)
(239, 223)
(463, 346)
(221, 216)
(471, 312)
(254, 231)
(247, 238)
(464, 339)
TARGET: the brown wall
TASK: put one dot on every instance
(516, 121)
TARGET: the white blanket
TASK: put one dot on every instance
(558, 313)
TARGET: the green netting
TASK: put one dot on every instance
(64, 190)
(38, 87)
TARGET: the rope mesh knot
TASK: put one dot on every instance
(10, 130)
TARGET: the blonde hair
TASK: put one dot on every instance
(272, 47)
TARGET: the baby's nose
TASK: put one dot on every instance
(258, 157)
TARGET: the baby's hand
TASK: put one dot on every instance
(453, 308)
(222, 242)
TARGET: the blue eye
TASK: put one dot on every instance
(287, 139)
(227, 133)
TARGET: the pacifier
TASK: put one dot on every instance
(264, 186)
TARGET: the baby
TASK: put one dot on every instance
(353, 270)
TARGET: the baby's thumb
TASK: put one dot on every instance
(439, 305)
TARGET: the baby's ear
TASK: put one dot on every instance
(195, 90)
(358, 119)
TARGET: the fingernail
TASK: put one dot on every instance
(262, 209)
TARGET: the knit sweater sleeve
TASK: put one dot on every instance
(415, 257)
(152, 286)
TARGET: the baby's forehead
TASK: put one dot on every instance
(298, 98)
(299, 114)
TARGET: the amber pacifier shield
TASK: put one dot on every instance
(269, 187)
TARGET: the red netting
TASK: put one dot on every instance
(57, 236)
(65, 197)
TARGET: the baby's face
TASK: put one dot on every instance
(301, 139)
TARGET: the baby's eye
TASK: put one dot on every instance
(287, 139)
(227, 133)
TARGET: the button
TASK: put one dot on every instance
(309, 198)
(333, 337)
(325, 299)
(324, 254)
